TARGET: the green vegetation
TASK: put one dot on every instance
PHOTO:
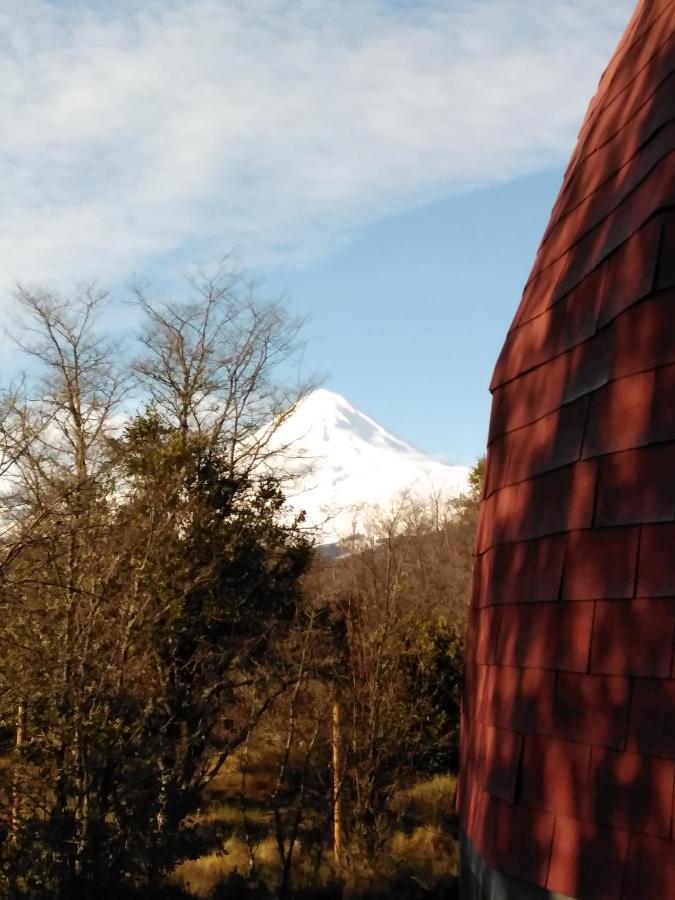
(192, 698)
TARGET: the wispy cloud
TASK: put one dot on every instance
(142, 128)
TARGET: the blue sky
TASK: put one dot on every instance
(388, 165)
(407, 319)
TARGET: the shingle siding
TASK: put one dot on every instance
(568, 763)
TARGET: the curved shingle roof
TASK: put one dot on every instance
(568, 759)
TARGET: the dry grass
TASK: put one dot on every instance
(421, 850)
(231, 814)
(430, 801)
(429, 852)
(201, 876)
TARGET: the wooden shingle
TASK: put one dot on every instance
(569, 705)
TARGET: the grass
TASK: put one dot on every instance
(419, 859)
(201, 876)
(231, 813)
(427, 852)
(429, 801)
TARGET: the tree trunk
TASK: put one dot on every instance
(337, 778)
(16, 790)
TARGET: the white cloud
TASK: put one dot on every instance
(142, 128)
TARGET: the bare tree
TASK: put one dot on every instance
(401, 591)
(219, 363)
(55, 486)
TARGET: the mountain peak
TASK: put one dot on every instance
(337, 417)
(322, 397)
(344, 462)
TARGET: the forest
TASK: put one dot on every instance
(195, 699)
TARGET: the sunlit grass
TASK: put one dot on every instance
(419, 851)
(201, 876)
(430, 801)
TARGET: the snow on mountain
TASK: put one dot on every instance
(344, 463)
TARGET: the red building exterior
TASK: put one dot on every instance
(568, 733)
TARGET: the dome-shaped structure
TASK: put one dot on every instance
(568, 732)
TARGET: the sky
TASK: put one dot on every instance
(387, 166)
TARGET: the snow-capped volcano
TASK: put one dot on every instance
(346, 462)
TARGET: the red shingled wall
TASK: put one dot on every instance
(568, 749)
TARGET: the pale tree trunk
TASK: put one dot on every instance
(337, 781)
(82, 809)
(248, 835)
(16, 790)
